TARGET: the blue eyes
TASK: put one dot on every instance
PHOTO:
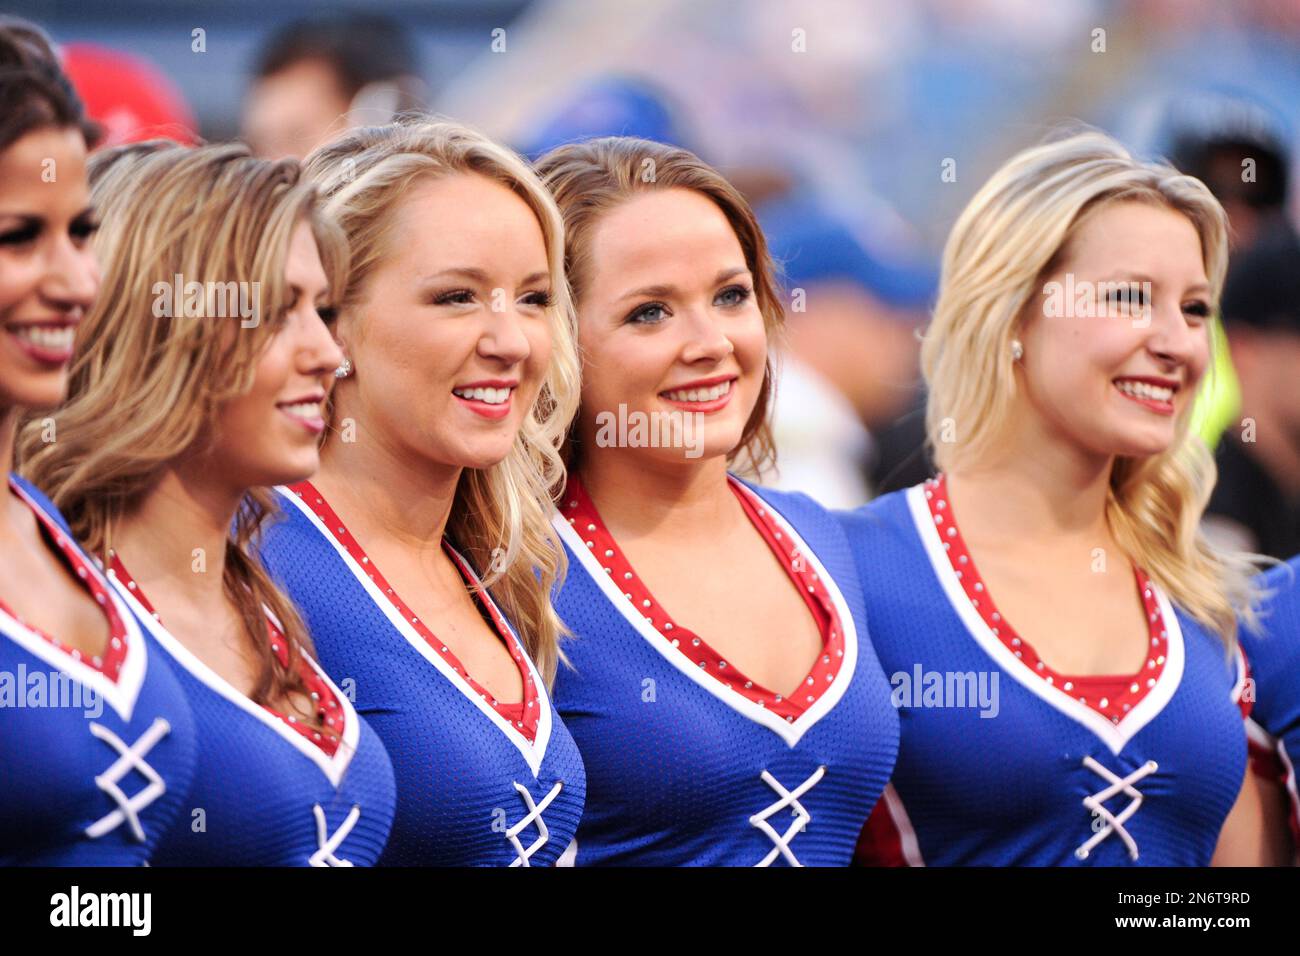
(653, 313)
(648, 314)
(734, 295)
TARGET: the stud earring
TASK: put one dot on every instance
(1017, 351)
(345, 369)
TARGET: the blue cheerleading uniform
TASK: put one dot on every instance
(688, 761)
(479, 782)
(1037, 773)
(96, 757)
(268, 791)
(1274, 655)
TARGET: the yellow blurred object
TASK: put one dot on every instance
(1219, 399)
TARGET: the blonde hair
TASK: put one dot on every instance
(501, 515)
(1008, 239)
(145, 389)
(589, 179)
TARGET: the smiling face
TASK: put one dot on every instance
(48, 274)
(451, 340)
(1115, 380)
(268, 436)
(669, 323)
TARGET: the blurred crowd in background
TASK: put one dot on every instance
(857, 128)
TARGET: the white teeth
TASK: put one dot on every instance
(47, 338)
(1158, 393)
(303, 409)
(711, 394)
(492, 396)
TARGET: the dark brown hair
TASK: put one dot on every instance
(34, 91)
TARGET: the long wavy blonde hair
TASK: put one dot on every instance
(501, 515)
(146, 389)
(1006, 242)
(590, 178)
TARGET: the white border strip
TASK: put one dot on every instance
(533, 753)
(121, 694)
(332, 767)
(1115, 736)
(907, 840)
(790, 732)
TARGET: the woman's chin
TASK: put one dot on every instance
(1141, 445)
(38, 396)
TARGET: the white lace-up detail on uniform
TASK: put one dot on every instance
(1097, 804)
(788, 798)
(129, 758)
(533, 816)
(324, 855)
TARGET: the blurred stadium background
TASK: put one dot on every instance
(858, 128)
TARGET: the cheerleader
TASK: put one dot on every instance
(1055, 560)
(96, 742)
(183, 404)
(1273, 726)
(727, 701)
(422, 554)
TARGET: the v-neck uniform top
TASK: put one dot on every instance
(97, 755)
(266, 792)
(326, 700)
(479, 783)
(690, 762)
(998, 765)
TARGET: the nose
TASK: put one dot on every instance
(72, 275)
(1172, 340)
(318, 351)
(503, 337)
(706, 341)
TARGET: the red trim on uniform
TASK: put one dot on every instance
(1111, 695)
(1266, 762)
(580, 510)
(525, 714)
(327, 705)
(880, 843)
(110, 662)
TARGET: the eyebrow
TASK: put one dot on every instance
(664, 291)
(82, 213)
(476, 275)
(1143, 277)
(298, 289)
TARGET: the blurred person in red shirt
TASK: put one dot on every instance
(130, 98)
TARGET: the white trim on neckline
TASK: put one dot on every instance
(1115, 736)
(332, 767)
(789, 731)
(533, 753)
(121, 694)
